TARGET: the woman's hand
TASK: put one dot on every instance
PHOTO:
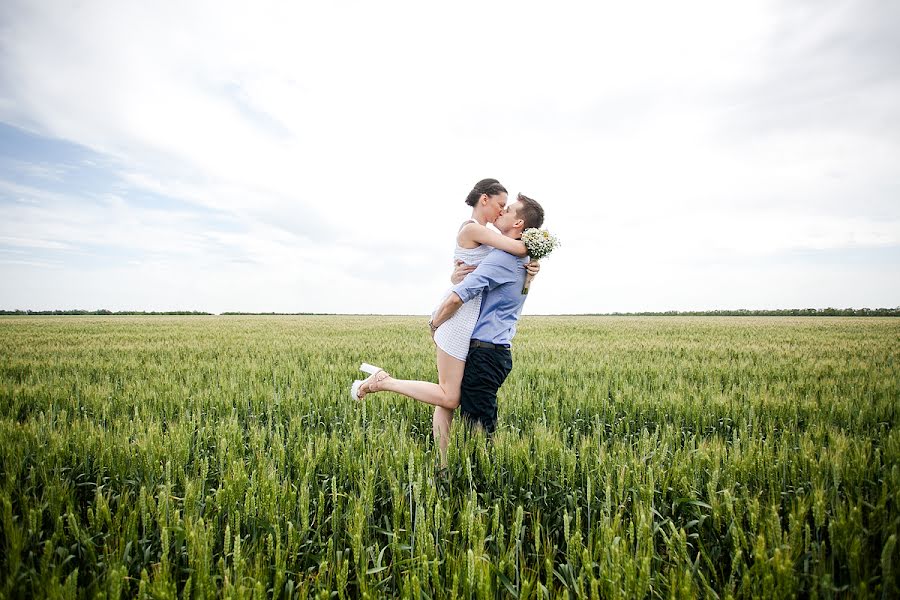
(533, 267)
(460, 271)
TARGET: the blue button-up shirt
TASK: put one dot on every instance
(499, 278)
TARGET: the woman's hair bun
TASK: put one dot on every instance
(491, 187)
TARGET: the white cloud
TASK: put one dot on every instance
(343, 138)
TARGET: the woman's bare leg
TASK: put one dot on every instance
(440, 427)
(445, 393)
(444, 396)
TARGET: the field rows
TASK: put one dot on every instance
(636, 457)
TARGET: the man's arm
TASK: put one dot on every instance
(460, 270)
(497, 268)
(446, 310)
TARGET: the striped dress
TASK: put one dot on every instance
(454, 334)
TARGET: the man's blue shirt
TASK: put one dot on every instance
(499, 278)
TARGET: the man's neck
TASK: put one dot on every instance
(512, 233)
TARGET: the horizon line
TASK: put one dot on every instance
(806, 311)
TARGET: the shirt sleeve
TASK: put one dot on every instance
(497, 268)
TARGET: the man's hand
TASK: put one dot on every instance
(533, 267)
(433, 328)
(446, 310)
(460, 271)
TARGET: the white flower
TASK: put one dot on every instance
(539, 242)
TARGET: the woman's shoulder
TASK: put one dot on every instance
(469, 225)
(465, 233)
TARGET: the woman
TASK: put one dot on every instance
(473, 242)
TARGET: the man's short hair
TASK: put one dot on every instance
(531, 212)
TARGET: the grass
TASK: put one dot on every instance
(636, 457)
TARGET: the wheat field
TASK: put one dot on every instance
(196, 457)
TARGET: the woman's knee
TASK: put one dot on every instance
(451, 401)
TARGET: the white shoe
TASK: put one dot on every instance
(365, 368)
(370, 369)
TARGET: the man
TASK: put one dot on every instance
(499, 278)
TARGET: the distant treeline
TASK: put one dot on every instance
(781, 312)
(270, 314)
(102, 311)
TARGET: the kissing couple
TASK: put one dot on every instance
(474, 325)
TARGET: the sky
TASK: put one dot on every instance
(315, 157)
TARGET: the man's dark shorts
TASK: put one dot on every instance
(486, 370)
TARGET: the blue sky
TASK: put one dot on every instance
(289, 157)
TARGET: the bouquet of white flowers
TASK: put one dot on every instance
(539, 243)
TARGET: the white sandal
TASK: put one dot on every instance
(372, 370)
